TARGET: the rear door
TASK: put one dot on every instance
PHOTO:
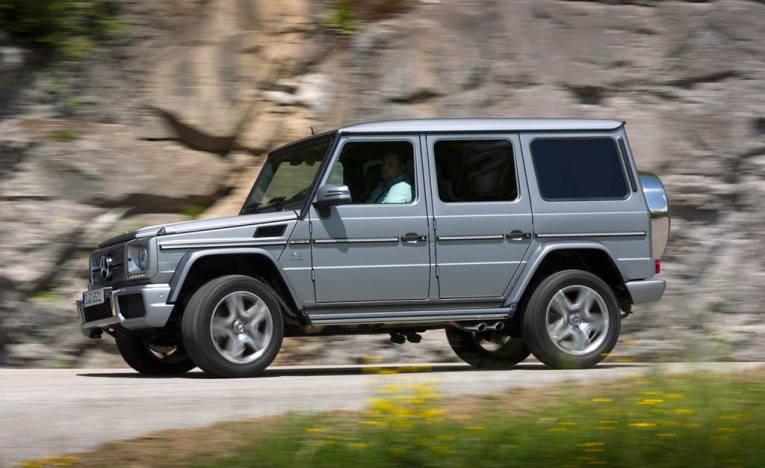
(481, 210)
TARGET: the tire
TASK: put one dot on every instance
(487, 350)
(571, 320)
(150, 358)
(233, 327)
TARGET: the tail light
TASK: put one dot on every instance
(658, 266)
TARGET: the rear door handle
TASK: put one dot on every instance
(412, 238)
(517, 235)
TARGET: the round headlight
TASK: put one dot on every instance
(143, 258)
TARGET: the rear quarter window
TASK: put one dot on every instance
(578, 169)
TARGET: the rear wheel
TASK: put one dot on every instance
(489, 349)
(152, 357)
(571, 320)
(233, 327)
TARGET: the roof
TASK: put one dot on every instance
(473, 125)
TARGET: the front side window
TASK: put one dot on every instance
(286, 177)
(569, 169)
(475, 171)
(376, 172)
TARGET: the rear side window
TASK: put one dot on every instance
(475, 171)
(570, 169)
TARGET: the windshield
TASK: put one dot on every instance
(286, 177)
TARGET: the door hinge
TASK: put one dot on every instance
(313, 275)
(310, 227)
(436, 272)
(435, 224)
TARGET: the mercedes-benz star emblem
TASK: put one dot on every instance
(106, 267)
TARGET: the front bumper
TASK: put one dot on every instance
(133, 307)
(646, 290)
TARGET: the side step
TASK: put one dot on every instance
(410, 316)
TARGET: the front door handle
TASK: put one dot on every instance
(518, 235)
(412, 238)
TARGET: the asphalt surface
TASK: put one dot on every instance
(54, 412)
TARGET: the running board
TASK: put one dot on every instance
(411, 316)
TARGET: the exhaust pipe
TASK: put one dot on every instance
(496, 326)
(413, 337)
(397, 338)
(477, 328)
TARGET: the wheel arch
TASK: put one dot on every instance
(196, 268)
(587, 256)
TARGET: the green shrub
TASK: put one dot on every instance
(67, 27)
(344, 16)
(193, 211)
(64, 134)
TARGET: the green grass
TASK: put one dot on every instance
(690, 420)
(660, 420)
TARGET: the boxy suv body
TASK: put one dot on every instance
(515, 236)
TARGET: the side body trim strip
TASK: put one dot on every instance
(591, 234)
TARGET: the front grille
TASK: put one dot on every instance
(132, 306)
(98, 312)
(115, 256)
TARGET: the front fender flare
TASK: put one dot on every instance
(190, 258)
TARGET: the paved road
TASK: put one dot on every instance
(54, 412)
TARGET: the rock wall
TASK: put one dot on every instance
(176, 114)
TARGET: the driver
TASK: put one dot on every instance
(394, 188)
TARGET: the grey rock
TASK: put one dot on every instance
(687, 77)
(156, 177)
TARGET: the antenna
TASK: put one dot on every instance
(312, 132)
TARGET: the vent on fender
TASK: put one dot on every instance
(270, 231)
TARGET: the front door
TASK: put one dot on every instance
(376, 248)
(482, 213)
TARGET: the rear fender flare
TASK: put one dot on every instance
(538, 256)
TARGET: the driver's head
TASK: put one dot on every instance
(392, 166)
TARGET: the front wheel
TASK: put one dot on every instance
(233, 327)
(152, 357)
(488, 349)
(571, 320)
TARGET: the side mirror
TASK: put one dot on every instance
(331, 195)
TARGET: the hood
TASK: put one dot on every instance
(201, 225)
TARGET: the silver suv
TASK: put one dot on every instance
(514, 236)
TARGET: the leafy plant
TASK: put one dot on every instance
(68, 27)
(341, 18)
(345, 16)
(193, 211)
(64, 134)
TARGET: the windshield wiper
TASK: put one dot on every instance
(278, 202)
(251, 208)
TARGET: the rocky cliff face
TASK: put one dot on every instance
(176, 114)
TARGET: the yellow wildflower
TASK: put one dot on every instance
(643, 424)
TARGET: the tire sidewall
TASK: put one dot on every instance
(197, 336)
(136, 353)
(534, 322)
(467, 348)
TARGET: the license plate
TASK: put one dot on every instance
(91, 298)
